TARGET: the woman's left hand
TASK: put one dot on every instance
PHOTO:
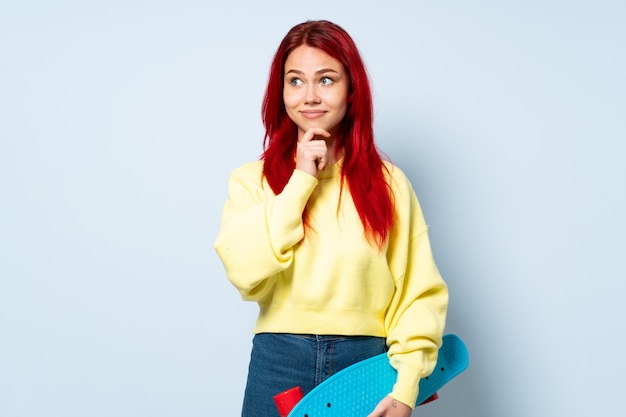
(388, 407)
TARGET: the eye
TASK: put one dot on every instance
(326, 81)
(296, 82)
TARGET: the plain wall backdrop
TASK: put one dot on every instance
(120, 122)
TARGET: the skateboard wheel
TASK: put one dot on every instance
(430, 399)
(287, 400)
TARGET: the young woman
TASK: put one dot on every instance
(327, 237)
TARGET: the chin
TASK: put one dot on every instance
(306, 126)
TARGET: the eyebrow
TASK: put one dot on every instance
(318, 72)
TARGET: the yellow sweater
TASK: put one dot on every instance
(332, 281)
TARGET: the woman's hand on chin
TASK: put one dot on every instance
(312, 153)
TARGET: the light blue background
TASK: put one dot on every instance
(121, 120)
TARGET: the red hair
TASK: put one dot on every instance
(363, 169)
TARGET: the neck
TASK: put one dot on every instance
(334, 153)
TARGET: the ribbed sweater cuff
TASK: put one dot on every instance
(406, 387)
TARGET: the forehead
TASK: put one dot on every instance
(306, 57)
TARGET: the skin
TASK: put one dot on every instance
(389, 407)
(316, 97)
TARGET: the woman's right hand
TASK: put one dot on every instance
(312, 151)
(388, 407)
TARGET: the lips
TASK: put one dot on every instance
(312, 114)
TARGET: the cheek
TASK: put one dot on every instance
(341, 104)
(290, 98)
(339, 99)
(290, 106)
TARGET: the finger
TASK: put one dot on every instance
(310, 134)
(316, 149)
(322, 160)
(308, 157)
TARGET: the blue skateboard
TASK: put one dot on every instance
(356, 390)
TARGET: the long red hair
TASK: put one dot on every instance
(363, 169)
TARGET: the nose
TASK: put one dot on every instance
(312, 96)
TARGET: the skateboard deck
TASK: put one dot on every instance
(355, 391)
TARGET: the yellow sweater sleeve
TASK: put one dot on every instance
(259, 229)
(359, 289)
(416, 317)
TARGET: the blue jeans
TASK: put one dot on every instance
(282, 361)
